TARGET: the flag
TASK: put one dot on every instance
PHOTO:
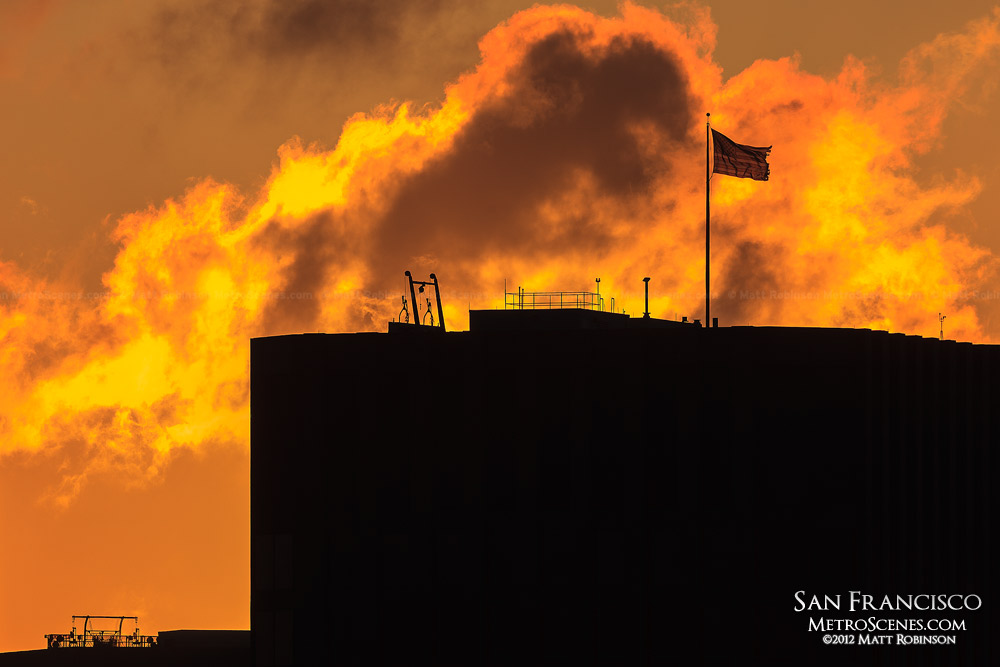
(733, 159)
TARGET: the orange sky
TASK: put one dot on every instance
(180, 176)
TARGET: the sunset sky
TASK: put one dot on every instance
(180, 176)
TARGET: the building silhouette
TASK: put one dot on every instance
(171, 648)
(575, 487)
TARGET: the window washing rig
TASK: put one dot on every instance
(93, 638)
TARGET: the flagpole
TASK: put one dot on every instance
(708, 321)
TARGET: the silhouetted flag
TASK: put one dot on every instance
(733, 159)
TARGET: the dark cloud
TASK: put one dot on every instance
(745, 289)
(223, 33)
(319, 248)
(293, 27)
(567, 111)
(315, 251)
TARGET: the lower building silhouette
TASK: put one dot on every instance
(171, 648)
(581, 488)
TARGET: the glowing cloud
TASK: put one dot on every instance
(575, 149)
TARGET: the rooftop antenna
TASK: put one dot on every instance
(645, 315)
(941, 319)
(599, 294)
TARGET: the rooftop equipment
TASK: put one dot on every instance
(107, 638)
(645, 313)
(414, 302)
(524, 300)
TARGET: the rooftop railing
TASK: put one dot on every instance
(522, 300)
